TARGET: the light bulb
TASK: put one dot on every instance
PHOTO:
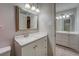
(57, 18)
(63, 16)
(67, 16)
(37, 10)
(27, 6)
(33, 8)
(60, 17)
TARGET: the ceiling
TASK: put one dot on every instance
(65, 6)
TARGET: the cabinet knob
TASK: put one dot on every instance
(35, 46)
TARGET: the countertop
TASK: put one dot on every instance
(66, 32)
(21, 40)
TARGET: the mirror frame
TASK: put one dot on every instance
(16, 18)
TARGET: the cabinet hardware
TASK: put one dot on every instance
(45, 40)
(35, 45)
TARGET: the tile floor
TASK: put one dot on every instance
(63, 51)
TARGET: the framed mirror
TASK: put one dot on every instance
(25, 20)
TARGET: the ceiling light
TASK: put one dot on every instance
(27, 6)
(33, 8)
(37, 10)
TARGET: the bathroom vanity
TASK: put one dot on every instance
(68, 39)
(33, 45)
(28, 40)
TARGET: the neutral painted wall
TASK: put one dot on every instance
(8, 25)
(46, 24)
(77, 20)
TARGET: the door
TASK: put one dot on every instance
(28, 22)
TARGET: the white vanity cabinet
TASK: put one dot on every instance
(68, 39)
(62, 39)
(37, 47)
(74, 41)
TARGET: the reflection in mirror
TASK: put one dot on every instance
(65, 21)
(25, 20)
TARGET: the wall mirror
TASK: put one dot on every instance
(25, 20)
(65, 21)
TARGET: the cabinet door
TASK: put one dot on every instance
(62, 39)
(44, 46)
(41, 49)
(74, 41)
(38, 47)
(29, 50)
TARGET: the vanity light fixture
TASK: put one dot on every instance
(27, 6)
(33, 8)
(37, 10)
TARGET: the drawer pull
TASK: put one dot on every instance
(35, 46)
(45, 47)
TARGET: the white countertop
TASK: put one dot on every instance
(32, 37)
(66, 32)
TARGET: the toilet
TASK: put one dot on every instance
(5, 51)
